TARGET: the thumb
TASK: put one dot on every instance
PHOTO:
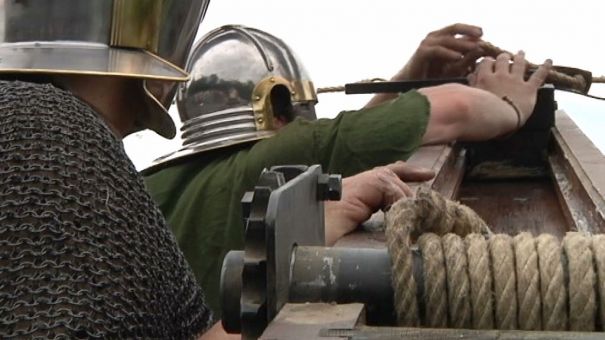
(410, 173)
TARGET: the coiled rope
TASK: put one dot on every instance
(474, 279)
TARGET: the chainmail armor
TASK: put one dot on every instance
(84, 251)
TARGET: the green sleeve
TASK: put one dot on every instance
(352, 142)
(201, 197)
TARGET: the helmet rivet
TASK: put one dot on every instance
(257, 98)
(272, 80)
(260, 120)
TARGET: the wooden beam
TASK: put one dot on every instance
(577, 168)
(380, 333)
(304, 321)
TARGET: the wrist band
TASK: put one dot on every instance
(510, 102)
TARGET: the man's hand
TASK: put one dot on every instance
(504, 79)
(449, 52)
(365, 193)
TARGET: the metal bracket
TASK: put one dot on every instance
(284, 211)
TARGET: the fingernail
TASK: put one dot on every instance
(521, 52)
(548, 61)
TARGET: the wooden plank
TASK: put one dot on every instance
(304, 321)
(449, 177)
(447, 161)
(513, 206)
(429, 156)
(380, 333)
(577, 168)
(589, 158)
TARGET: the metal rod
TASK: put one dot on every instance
(344, 275)
(398, 86)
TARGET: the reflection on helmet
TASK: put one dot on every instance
(144, 39)
(242, 81)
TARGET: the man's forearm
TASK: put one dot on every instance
(461, 112)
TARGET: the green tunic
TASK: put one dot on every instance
(200, 197)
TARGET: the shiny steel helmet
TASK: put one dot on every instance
(241, 79)
(144, 39)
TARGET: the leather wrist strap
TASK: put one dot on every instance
(510, 102)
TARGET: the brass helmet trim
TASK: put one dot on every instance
(304, 91)
(300, 91)
(261, 101)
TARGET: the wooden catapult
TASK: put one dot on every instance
(545, 179)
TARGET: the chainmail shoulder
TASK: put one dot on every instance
(84, 251)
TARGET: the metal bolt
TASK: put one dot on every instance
(329, 187)
(260, 120)
(257, 98)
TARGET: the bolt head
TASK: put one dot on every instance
(329, 187)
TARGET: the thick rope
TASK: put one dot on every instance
(465, 220)
(435, 294)
(582, 304)
(441, 216)
(458, 287)
(552, 285)
(505, 281)
(528, 284)
(598, 251)
(499, 282)
(398, 243)
(481, 284)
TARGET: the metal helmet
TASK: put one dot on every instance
(238, 77)
(144, 39)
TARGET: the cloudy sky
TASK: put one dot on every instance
(341, 41)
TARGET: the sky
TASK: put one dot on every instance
(343, 41)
